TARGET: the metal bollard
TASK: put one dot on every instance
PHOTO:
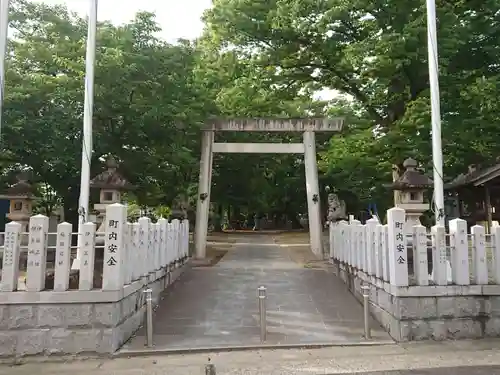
(149, 317)
(366, 308)
(262, 313)
(210, 369)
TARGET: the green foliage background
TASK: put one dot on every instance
(255, 58)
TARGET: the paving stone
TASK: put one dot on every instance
(108, 314)
(22, 316)
(68, 315)
(8, 343)
(31, 341)
(459, 307)
(216, 306)
(415, 308)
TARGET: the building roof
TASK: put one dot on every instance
(474, 177)
(21, 188)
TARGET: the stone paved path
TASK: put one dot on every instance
(217, 306)
(462, 370)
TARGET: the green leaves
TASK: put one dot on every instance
(145, 101)
(256, 59)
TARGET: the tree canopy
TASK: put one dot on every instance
(376, 52)
(255, 58)
(147, 107)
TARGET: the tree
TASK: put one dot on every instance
(376, 52)
(267, 183)
(147, 110)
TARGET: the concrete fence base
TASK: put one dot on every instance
(72, 322)
(428, 312)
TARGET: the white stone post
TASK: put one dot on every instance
(364, 238)
(371, 224)
(175, 237)
(116, 221)
(37, 253)
(336, 241)
(480, 274)
(345, 234)
(63, 257)
(342, 243)
(163, 241)
(348, 241)
(420, 261)
(459, 245)
(376, 251)
(186, 238)
(11, 253)
(157, 243)
(356, 230)
(439, 265)
(170, 243)
(398, 251)
(143, 245)
(382, 251)
(87, 256)
(312, 189)
(136, 252)
(331, 234)
(495, 241)
(203, 203)
(181, 239)
(362, 241)
(129, 246)
(151, 249)
(348, 244)
(385, 255)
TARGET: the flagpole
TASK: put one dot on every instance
(437, 151)
(88, 106)
(4, 30)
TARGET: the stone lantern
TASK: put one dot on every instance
(111, 185)
(20, 196)
(409, 190)
(336, 207)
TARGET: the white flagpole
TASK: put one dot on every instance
(4, 30)
(437, 151)
(88, 106)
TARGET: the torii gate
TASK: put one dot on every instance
(308, 148)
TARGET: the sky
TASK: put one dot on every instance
(178, 18)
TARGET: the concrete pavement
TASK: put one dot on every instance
(467, 370)
(461, 357)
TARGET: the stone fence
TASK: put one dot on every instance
(94, 309)
(459, 298)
